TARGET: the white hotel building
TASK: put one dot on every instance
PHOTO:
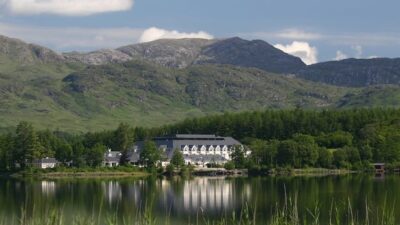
(198, 149)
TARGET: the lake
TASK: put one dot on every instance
(181, 200)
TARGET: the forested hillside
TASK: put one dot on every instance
(277, 138)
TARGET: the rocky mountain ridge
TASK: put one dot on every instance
(354, 72)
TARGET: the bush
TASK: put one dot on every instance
(170, 169)
(229, 166)
(214, 165)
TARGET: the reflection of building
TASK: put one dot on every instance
(112, 190)
(197, 149)
(206, 193)
(48, 187)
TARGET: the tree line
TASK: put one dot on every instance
(21, 147)
(277, 138)
(298, 138)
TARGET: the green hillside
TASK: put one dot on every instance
(140, 93)
(155, 83)
(375, 96)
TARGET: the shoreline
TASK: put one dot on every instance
(75, 175)
(322, 171)
(196, 173)
(304, 172)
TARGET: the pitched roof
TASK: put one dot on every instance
(46, 160)
(112, 156)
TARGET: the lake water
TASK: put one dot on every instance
(184, 200)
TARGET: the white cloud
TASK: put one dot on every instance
(299, 34)
(340, 56)
(358, 49)
(155, 33)
(87, 39)
(66, 7)
(303, 50)
(73, 38)
(286, 34)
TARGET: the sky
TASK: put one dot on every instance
(314, 30)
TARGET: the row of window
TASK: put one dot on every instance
(204, 148)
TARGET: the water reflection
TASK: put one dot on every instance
(189, 196)
(48, 187)
(112, 191)
(181, 198)
(207, 194)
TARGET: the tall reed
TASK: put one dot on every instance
(286, 214)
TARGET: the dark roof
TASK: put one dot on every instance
(133, 156)
(46, 160)
(205, 136)
(112, 156)
(190, 137)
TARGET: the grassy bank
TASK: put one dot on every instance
(300, 172)
(104, 172)
(321, 171)
(60, 172)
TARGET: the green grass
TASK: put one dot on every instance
(87, 172)
(287, 214)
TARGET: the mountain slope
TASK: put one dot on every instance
(207, 87)
(140, 93)
(374, 96)
(258, 54)
(354, 72)
(179, 53)
(162, 82)
(183, 53)
(21, 52)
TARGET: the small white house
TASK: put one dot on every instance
(111, 158)
(45, 163)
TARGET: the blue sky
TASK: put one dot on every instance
(315, 30)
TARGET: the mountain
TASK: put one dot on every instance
(354, 72)
(99, 57)
(160, 82)
(21, 52)
(179, 53)
(258, 54)
(182, 53)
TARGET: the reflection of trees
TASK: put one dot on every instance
(183, 197)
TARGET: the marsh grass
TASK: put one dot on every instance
(286, 214)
